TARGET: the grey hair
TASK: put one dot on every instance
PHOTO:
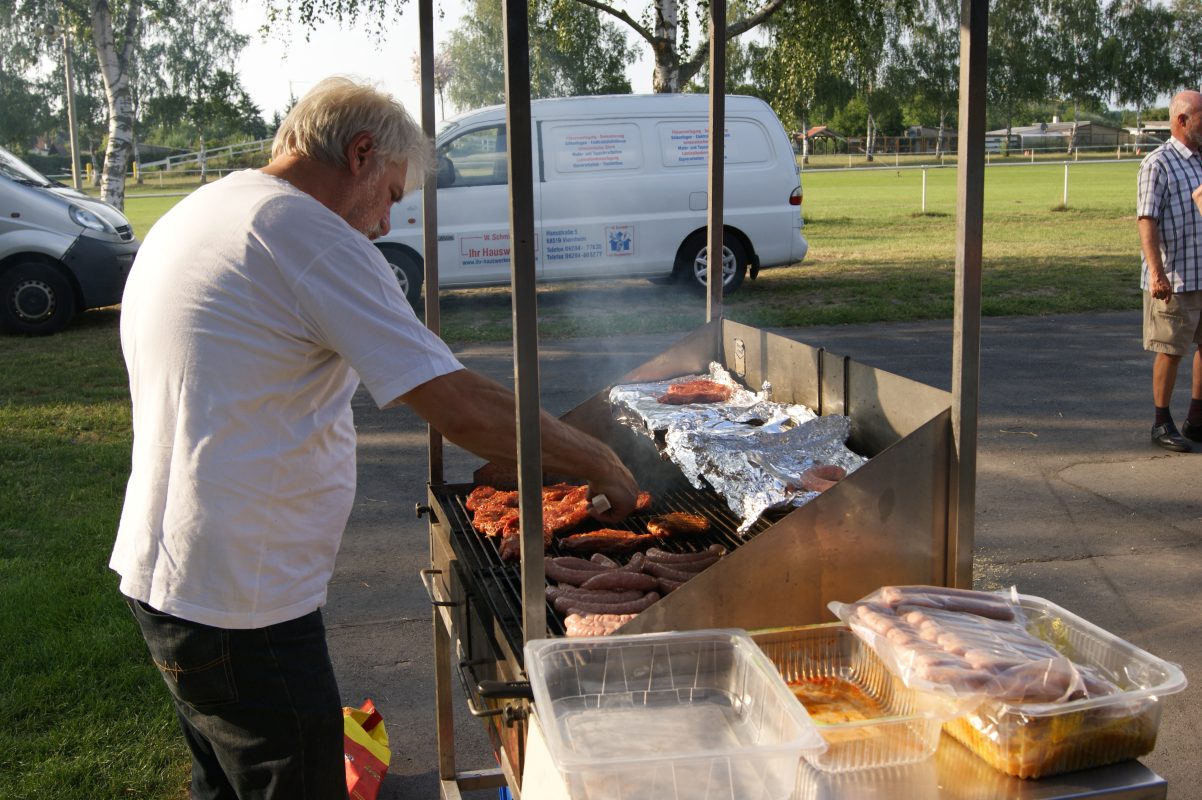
(336, 110)
(1184, 103)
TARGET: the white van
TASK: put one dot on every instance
(619, 191)
(60, 251)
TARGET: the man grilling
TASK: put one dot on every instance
(254, 309)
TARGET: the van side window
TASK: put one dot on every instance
(686, 143)
(474, 158)
(576, 148)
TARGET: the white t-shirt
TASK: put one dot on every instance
(249, 317)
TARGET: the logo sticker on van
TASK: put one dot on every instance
(491, 248)
(619, 240)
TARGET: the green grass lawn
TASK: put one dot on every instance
(83, 715)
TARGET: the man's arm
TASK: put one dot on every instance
(1149, 242)
(479, 415)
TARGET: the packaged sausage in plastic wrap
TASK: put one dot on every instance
(998, 655)
(971, 646)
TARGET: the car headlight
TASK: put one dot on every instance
(85, 218)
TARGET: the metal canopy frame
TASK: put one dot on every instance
(966, 330)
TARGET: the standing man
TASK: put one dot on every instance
(1170, 234)
(253, 311)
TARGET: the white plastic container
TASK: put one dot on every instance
(898, 725)
(695, 715)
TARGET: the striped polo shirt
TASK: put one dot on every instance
(1167, 177)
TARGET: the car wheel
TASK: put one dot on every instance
(37, 299)
(695, 254)
(408, 271)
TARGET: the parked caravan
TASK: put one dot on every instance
(620, 191)
(60, 251)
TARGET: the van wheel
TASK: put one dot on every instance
(408, 271)
(695, 266)
(37, 299)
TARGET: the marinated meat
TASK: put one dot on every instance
(678, 523)
(821, 477)
(495, 512)
(488, 496)
(696, 391)
(610, 541)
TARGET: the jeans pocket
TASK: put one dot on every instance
(193, 659)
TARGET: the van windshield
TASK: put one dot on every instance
(15, 169)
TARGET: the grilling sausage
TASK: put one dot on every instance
(593, 595)
(620, 579)
(694, 567)
(664, 571)
(674, 559)
(595, 624)
(631, 607)
(570, 575)
(667, 586)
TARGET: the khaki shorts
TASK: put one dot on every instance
(1173, 326)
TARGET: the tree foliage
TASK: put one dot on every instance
(128, 52)
(1018, 58)
(1185, 42)
(572, 52)
(1136, 55)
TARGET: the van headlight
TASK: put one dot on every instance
(86, 219)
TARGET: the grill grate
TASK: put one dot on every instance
(498, 584)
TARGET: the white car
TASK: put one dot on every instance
(620, 190)
(60, 251)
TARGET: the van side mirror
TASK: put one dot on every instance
(446, 172)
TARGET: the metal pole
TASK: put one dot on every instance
(1066, 184)
(525, 315)
(924, 191)
(966, 342)
(425, 25)
(71, 125)
(717, 158)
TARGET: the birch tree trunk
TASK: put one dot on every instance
(939, 141)
(114, 68)
(805, 141)
(666, 77)
(1072, 136)
(202, 157)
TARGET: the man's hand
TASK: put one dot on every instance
(1197, 195)
(1158, 285)
(620, 490)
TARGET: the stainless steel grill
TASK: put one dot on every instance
(886, 523)
(496, 585)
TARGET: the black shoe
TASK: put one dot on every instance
(1191, 431)
(1166, 436)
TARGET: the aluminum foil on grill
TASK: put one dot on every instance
(637, 404)
(749, 449)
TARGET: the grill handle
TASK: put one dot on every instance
(427, 576)
(509, 714)
(508, 690)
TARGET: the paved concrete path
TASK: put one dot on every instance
(1073, 504)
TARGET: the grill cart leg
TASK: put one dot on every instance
(450, 782)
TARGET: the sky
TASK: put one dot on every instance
(272, 71)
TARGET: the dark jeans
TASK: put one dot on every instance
(259, 708)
